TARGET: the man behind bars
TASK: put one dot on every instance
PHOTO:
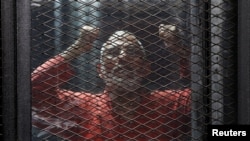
(125, 111)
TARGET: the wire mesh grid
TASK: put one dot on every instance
(131, 70)
(1, 97)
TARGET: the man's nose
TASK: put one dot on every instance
(123, 62)
(125, 58)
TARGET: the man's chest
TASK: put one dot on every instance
(150, 120)
(153, 119)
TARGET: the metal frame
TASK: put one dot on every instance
(15, 24)
(244, 62)
(8, 64)
(197, 72)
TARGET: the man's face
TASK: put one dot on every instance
(122, 61)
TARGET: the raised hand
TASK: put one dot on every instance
(88, 35)
(170, 35)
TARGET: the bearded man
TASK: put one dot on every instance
(124, 111)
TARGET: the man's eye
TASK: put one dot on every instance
(131, 50)
(134, 51)
(113, 52)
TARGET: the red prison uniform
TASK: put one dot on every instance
(80, 116)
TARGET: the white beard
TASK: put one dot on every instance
(122, 81)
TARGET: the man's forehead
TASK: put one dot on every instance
(121, 38)
(116, 43)
(119, 34)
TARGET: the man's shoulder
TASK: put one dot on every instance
(171, 95)
(81, 95)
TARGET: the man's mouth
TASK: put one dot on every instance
(125, 72)
(128, 68)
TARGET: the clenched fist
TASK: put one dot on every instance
(88, 35)
(169, 34)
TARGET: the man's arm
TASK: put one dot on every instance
(54, 72)
(172, 38)
(83, 44)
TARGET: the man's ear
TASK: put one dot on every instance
(98, 69)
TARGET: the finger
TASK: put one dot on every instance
(91, 29)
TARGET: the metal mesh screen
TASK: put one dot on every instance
(132, 70)
(1, 72)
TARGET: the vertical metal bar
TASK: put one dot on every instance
(9, 68)
(197, 70)
(23, 70)
(217, 101)
(244, 62)
(57, 24)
